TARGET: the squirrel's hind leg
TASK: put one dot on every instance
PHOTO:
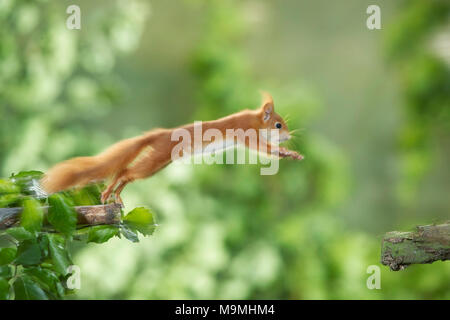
(122, 184)
(145, 167)
(107, 193)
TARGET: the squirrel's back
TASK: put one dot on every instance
(82, 170)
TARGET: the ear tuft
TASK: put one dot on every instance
(266, 98)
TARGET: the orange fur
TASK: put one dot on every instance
(143, 156)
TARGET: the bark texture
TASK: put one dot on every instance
(87, 215)
(425, 245)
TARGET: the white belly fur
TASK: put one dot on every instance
(216, 146)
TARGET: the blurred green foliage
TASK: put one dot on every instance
(415, 48)
(53, 80)
(226, 231)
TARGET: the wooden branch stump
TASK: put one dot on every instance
(425, 245)
(87, 215)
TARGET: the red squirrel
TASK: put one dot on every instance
(142, 156)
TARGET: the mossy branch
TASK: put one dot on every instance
(425, 245)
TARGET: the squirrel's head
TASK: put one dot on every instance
(271, 120)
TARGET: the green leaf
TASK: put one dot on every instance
(58, 253)
(24, 180)
(60, 290)
(87, 196)
(8, 199)
(7, 186)
(140, 219)
(4, 289)
(32, 174)
(7, 255)
(19, 233)
(81, 234)
(100, 234)
(28, 253)
(46, 279)
(6, 272)
(61, 214)
(32, 215)
(129, 234)
(43, 244)
(25, 288)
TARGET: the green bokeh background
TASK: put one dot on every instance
(372, 106)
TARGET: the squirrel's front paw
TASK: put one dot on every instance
(285, 153)
(296, 156)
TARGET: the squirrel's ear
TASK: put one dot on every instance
(267, 111)
(267, 106)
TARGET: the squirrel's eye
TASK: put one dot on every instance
(278, 125)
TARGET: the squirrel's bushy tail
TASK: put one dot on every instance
(82, 170)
